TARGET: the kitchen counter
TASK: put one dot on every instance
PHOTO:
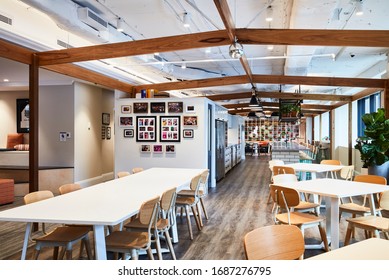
(288, 152)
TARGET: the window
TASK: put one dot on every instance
(366, 105)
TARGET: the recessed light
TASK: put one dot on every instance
(5, 80)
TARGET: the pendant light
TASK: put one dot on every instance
(236, 50)
(253, 100)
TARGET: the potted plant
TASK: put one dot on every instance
(374, 145)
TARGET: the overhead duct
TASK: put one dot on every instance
(92, 19)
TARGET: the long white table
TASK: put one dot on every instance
(369, 249)
(313, 168)
(105, 204)
(332, 190)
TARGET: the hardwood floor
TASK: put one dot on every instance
(237, 205)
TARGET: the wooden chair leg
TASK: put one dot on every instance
(199, 215)
(348, 235)
(55, 253)
(195, 215)
(204, 209)
(323, 237)
(150, 253)
(170, 245)
(69, 254)
(158, 246)
(88, 248)
(189, 223)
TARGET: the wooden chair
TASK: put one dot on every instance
(347, 172)
(372, 224)
(363, 209)
(303, 206)
(203, 191)
(123, 174)
(331, 162)
(61, 236)
(184, 202)
(164, 223)
(275, 242)
(67, 188)
(286, 199)
(137, 169)
(280, 169)
(130, 242)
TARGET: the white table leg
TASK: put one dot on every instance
(100, 248)
(25, 242)
(372, 204)
(173, 229)
(332, 221)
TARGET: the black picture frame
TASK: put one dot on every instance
(190, 121)
(128, 133)
(105, 118)
(141, 107)
(188, 133)
(175, 107)
(22, 115)
(146, 129)
(157, 107)
(170, 128)
(126, 121)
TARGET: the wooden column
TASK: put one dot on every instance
(34, 111)
(332, 133)
(350, 133)
(313, 130)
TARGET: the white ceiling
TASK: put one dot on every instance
(40, 23)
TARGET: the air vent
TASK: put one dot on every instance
(92, 19)
(5, 19)
(63, 44)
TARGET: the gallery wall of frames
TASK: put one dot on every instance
(152, 132)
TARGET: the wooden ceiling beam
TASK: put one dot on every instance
(314, 37)
(365, 92)
(15, 52)
(245, 111)
(318, 107)
(133, 48)
(282, 95)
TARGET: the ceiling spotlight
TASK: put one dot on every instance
(183, 65)
(269, 13)
(120, 25)
(359, 7)
(236, 50)
(252, 115)
(253, 100)
(186, 19)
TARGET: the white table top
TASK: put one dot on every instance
(107, 203)
(369, 249)
(314, 167)
(336, 188)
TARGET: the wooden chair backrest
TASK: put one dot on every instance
(123, 174)
(279, 169)
(374, 179)
(137, 169)
(284, 178)
(67, 188)
(384, 201)
(148, 211)
(331, 162)
(275, 242)
(195, 182)
(37, 196)
(347, 172)
(204, 181)
(291, 196)
(168, 199)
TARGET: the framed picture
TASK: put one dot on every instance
(157, 149)
(105, 119)
(126, 109)
(145, 149)
(169, 130)
(175, 107)
(128, 133)
(141, 107)
(187, 133)
(126, 121)
(170, 149)
(22, 116)
(146, 129)
(157, 107)
(108, 134)
(190, 109)
(190, 120)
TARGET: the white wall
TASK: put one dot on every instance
(316, 120)
(56, 112)
(107, 147)
(308, 129)
(190, 152)
(325, 125)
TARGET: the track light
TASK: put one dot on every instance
(359, 7)
(120, 25)
(269, 13)
(186, 19)
(236, 50)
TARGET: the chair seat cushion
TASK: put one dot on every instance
(306, 205)
(298, 218)
(190, 192)
(354, 208)
(185, 200)
(127, 240)
(64, 234)
(136, 224)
